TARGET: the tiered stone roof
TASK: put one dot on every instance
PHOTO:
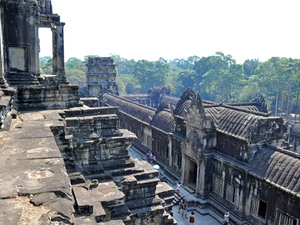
(278, 167)
(240, 120)
(142, 112)
(163, 119)
(295, 129)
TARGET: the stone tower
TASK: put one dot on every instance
(21, 21)
(101, 74)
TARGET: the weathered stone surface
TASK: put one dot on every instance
(40, 199)
(101, 75)
(107, 184)
(113, 222)
(32, 165)
(10, 213)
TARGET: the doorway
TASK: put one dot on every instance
(45, 48)
(192, 175)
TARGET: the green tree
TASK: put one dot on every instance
(72, 63)
(249, 66)
(77, 77)
(186, 79)
(150, 74)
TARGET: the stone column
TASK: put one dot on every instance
(58, 52)
(170, 149)
(200, 179)
(200, 189)
(3, 82)
(184, 168)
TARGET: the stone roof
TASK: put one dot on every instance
(142, 112)
(184, 102)
(232, 122)
(134, 97)
(278, 167)
(249, 121)
(246, 124)
(160, 118)
(169, 99)
(163, 118)
(241, 120)
(295, 129)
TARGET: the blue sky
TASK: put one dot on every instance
(140, 29)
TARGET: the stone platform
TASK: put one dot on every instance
(34, 185)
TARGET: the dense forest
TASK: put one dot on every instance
(217, 78)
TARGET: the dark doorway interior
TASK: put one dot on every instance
(192, 175)
(262, 209)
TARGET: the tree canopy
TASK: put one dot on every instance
(217, 78)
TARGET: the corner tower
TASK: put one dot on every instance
(101, 76)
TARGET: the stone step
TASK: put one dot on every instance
(108, 194)
(168, 207)
(176, 199)
(80, 111)
(117, 164)
(123, 172)
(83, 201)
(168, 219)
(190, 190)
(164, 190)
(100, 177)
(121, 211)
(168, 200)
(93, 168)
(144, 202)
(146, 175)
(148, 182)
(147, 211)
(99, 213)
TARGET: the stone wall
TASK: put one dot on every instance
(47, 97)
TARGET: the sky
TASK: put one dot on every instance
(144, 29)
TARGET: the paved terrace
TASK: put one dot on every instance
(32, 170)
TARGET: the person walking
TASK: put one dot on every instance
(192, 219)
(148, 156)
(178, 188)
(180, 204)
(226, 218)
(153, 158)
(184, 210)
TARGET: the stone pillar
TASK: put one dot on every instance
(200, 183)
(185, 170)
(58, 52)
(3, 83)
(170, 149)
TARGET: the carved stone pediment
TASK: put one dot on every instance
(194, 144)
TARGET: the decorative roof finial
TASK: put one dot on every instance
(260, 101)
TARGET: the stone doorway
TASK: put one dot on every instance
(192, 177)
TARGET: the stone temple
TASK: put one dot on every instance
(65, 160)
(233, 157)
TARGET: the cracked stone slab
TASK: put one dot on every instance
(32, 165)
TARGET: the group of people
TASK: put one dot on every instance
(183, 207)
(150, 157)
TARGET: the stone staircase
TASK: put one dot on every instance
(107, 183)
